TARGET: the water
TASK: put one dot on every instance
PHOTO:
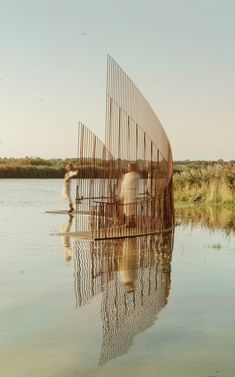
(128, 308)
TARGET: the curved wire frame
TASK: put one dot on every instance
(126, 183)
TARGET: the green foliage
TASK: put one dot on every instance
(31, 167)
(209, 184)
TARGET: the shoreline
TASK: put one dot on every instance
(196, 183)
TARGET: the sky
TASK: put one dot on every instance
(180, 54)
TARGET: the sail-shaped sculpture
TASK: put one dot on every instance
(126, 182)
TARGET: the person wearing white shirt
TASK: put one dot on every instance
(129, 193)
(66, 193)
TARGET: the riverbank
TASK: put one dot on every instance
(205, 183)
(30, 167)
(195, 182)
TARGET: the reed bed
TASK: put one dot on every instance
(208, 184)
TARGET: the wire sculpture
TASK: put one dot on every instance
(125, 183)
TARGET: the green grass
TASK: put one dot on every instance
(32, 167)
(205, 184)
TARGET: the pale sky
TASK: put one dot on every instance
(180, 54)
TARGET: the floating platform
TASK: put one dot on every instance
(64, 212)
(102, 235)
(83, 235)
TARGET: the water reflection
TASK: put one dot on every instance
(134, 277)
(209, 217)
(66, 239)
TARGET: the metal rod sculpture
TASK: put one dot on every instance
(126, 183)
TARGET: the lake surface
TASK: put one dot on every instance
(154, 306)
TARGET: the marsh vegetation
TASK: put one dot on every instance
(205, 183)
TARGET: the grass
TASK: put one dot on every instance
(32, 167)
(205, 184)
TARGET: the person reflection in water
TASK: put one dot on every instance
(65, 228)
(127, 264)
(66, 193)
(128, 195)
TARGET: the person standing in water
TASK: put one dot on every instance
(66, 193)
(129, 194)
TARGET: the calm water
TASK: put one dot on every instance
(154, 306)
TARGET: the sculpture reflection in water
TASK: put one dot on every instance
(134, 277)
